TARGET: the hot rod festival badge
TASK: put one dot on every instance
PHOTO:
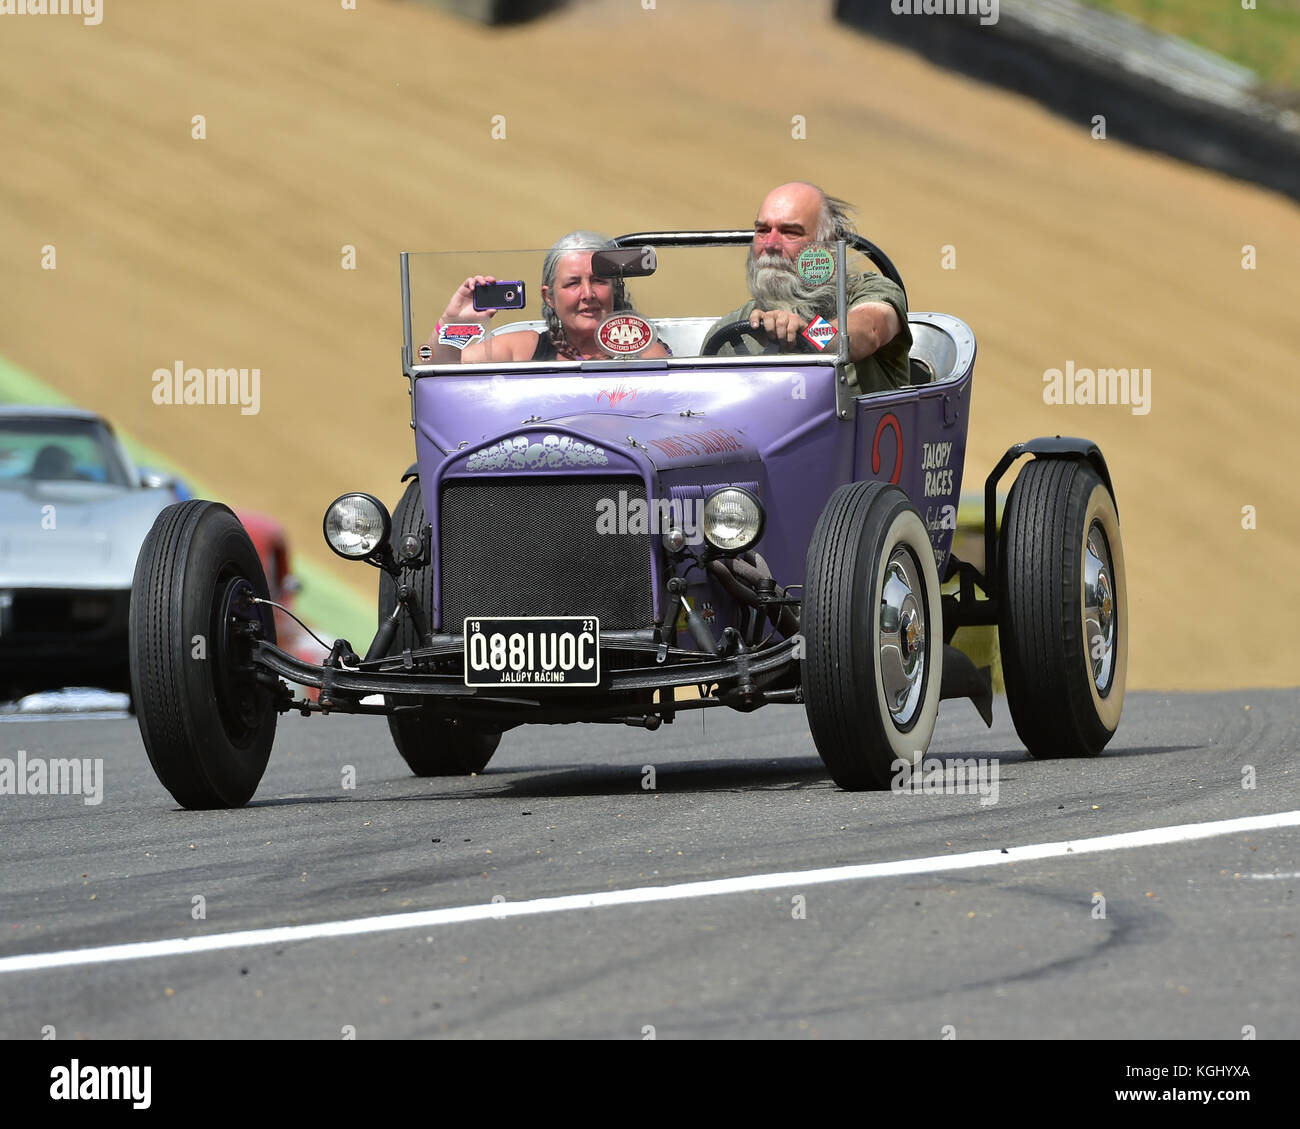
(815, 265)
(625, 335)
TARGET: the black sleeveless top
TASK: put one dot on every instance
(545, 350)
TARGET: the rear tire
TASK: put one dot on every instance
(873, 635)
(430, 745)
(1063, 624)
(207, 723)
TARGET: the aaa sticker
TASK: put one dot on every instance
(625, 335)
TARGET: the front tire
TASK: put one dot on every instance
(1063, 623)
(207, 723)
(873, 635)
(430, 745)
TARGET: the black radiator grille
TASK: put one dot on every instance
(532, 546)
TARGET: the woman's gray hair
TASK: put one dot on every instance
(574, 241)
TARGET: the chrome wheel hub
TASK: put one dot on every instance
(902, 637)
(1099, 607)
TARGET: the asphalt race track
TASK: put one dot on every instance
(1196, 936)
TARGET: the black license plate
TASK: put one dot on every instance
(530, 651)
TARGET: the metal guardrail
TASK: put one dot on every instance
(494, 11)
(1154, 90)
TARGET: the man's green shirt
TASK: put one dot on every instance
(885, 369)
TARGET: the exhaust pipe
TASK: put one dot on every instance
(740, 577)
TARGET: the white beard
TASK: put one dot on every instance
(776, 285)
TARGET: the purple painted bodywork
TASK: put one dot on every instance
(702, 426)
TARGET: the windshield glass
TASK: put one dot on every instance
(593, 302)
(54, 450)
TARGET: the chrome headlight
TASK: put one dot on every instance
(356, 525)
(733, 519)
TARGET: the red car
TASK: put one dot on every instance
(272, 545)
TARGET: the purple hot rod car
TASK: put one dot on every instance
(622, 540)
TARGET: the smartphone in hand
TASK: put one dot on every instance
(499, 296)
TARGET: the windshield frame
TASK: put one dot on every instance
(732, 238)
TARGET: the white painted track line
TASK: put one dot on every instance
(280, 935)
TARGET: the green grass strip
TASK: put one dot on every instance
(1265, 38)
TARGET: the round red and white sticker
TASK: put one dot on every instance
(625, 335)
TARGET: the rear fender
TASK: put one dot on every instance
(1058, 447)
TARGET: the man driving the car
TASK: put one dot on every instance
(785, 300)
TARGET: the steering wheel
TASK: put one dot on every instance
(734, 332)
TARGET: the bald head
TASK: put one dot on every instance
(793, 215)
(790, 214)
